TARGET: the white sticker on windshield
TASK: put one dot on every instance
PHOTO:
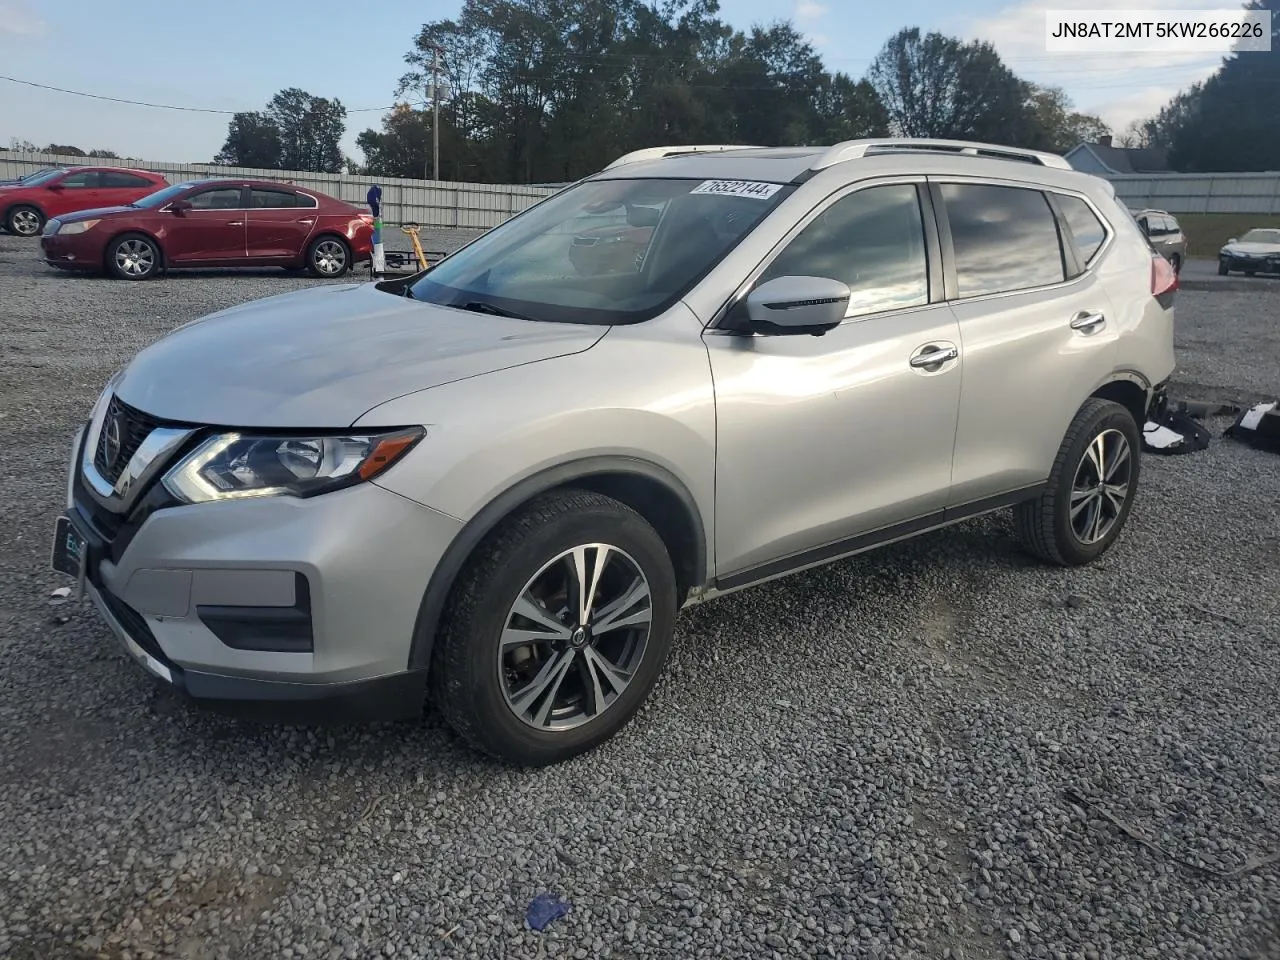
(737, 188)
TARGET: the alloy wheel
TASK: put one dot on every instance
(575, 637)
(1101, 486)
(330, 257)
(26, 223)
(137, 258)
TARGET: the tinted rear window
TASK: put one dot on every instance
(1086, 228)
(1005, 238)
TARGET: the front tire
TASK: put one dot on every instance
(1222, 269)
(24, 221)
(556, 630)
(328, 257)
(133, 256)
(1091, 488)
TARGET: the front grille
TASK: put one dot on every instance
(127, 426)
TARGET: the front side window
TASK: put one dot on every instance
(602, 252)
(86, 179)
(1088, 231)
(223, 198)
(871, 240)
(1005, 238)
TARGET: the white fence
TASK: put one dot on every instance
(483, 205)
(430, 203)
(1201, 192)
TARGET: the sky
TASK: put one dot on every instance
(235, 54)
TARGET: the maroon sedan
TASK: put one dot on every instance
(213, 223)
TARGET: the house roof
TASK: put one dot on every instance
(1126, 159)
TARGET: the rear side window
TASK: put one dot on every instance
(1005, 238)
(872, 240)
(263, 198)
(1086, 228)
(122, 181)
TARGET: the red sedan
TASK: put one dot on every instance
(213, 223)
(26, 204)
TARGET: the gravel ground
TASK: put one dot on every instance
(915, 753)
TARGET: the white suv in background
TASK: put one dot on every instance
(493, 485)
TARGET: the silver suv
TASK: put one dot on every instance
(494, 485)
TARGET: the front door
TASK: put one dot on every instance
(1035, 343)
(821, 440)
(78, 190)
(213, 229)
(279, 223)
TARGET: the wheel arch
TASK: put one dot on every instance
(1129, 389)
(654, 492)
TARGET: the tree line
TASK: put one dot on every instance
(551, 90)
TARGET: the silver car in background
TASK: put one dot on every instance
(493, 485)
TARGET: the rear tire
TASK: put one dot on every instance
(133, 256)
(503, 697)
(329, 257)
(24, 220)
(1091, 488)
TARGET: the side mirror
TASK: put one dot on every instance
(180, 207)
(794, 305)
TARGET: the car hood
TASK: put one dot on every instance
(1253, 249)
(76, 216)
(325, 356)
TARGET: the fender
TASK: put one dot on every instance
(455, 557)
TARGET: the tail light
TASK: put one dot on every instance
(1164, 280)
(367, 218)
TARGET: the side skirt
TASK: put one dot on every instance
(850, 546)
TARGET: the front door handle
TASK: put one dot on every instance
(1087, 322)
(934, 354)
(308, 222)
(236, 223)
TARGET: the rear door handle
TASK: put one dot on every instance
(1087, 322)
(933, 355)
(236, 223)
(308, 222)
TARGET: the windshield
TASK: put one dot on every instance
(1261, 236)
(161, 197)
(603, 252)
(40, 176)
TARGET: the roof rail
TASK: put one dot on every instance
(657, 153)
(853, 149)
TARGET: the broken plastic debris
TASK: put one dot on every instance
(60, 595)
(544, 908)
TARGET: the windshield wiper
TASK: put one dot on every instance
(478, 306)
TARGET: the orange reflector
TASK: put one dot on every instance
(386, 453)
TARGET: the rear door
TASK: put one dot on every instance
(279, 222)
(1037, 329)
(212, 230)
(78, 190)
(119, 188)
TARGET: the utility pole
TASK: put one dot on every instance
(435, 112)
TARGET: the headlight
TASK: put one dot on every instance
(233, 466)
(80, 226)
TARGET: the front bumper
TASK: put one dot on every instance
(1269, 264)
(83, 251)
(281, 607)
